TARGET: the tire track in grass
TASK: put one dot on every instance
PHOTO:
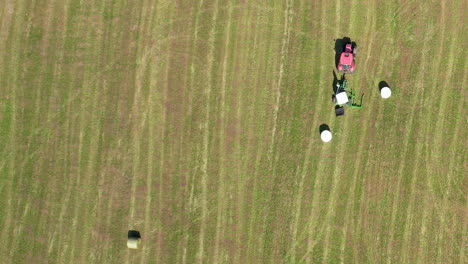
(464, 238)
(89, 172)
(330, 213)
(402, 164)
(312, 237)
(190, 111)
(56, 73)
(356, 166)
(90, 127)
(418, 151)
(454, 154)
(92, 170)
(463, 159)
(69, 187)
(437, 143)
(358, 162)
(235, 221)
(97, 153)
(152, 112)
(5, 30)
(276, 68)
(271, 157)
(242, 19)
(38, 130)
(260, 130)
(58, 232)
(187, 152)
(20, 224)
(373, 34)
(108, 210)
(253, 218)
(428, 142)
(301, 173)
(151, 152)
(206, 134)
(148, 54)
(332, 204)
(453, 145)
(239, 105)
(140, 115)
(135, 136)
(439, 139)
(80, 173)
(238, 145)
(258, 82)
(21, 174)
(334, 190)
(254, 145)
(36, 184)
(251, 132)
(367, 163)
(220, 219)
(84, 173)
(409, 222)
(288, 16)
(139, 119)
(250, 136)
(12, 135)
(361, 155)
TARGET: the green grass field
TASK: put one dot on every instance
(197, 123)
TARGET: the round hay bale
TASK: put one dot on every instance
(326, 136)
(133, 242)
(385, 92)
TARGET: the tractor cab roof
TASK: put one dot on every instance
(346, 58)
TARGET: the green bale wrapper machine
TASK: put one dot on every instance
(344, 96)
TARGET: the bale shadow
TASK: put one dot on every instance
(339, 47)
(323, 127)
(134, 234)
(383, 84)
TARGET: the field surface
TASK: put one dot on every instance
(197, 124)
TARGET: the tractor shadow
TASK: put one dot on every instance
(323, 127)
(133, 234)
(335, 82)
(339, 47)
(383, 84)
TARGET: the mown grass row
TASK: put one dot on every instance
(103, 130)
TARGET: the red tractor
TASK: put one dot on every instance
(347, 63)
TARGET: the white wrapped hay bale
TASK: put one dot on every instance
(385, 92)
(326, 136)
(133, 242)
